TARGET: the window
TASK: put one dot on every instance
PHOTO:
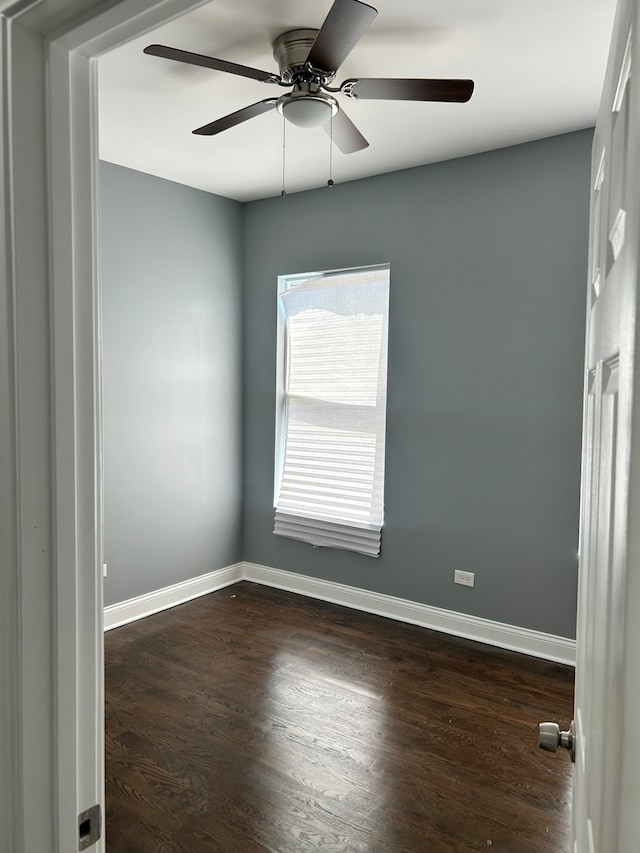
(331, 408)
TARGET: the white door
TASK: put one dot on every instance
(606, 812)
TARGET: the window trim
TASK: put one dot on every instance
(285, 283)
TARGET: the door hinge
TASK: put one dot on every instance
(89, 827)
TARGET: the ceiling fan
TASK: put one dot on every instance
(308, 60)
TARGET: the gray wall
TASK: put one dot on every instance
(171, 270)
(488, 283)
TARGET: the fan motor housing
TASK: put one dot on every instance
(290, 51)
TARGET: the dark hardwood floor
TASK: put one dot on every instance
(256, 720)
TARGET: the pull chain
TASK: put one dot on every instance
(284, 149)
(330, 181)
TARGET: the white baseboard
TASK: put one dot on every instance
(524, 640)
(162, 599)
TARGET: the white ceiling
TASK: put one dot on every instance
(538, 67)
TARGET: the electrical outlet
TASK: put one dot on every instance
(464, 578)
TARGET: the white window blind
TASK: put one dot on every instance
(335, 387)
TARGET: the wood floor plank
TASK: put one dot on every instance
(254, 720)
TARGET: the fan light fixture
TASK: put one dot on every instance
(306, 109)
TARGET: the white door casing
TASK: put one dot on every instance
(51, 640)
(606, 782)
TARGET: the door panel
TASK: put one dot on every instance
(608, 599)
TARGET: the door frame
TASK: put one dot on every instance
(51, 613)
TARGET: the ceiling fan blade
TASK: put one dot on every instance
(210, 62)
(345, 134)
(238, 117)
(371, 88)
(343, 27)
